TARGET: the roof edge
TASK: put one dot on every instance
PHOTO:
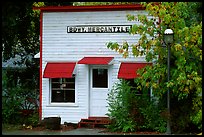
(89, 8)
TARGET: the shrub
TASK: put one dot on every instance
(184, 118)
(16, 95)
(151, 112)
(32, 119)
(118, 100)
(130, 112)
(10, 102)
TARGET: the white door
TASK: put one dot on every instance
(99, 85)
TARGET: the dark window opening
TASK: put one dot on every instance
(100, 78)
(137, 91)
(63, 90)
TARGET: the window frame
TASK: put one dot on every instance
(63, 103)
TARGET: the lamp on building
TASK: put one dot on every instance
(168, 39)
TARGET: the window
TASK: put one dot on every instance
(63, 90)
(134, 87)
(100, 78)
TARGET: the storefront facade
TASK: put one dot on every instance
(77, 70)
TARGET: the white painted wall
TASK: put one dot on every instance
(58, 45)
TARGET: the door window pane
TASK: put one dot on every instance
(100, 78)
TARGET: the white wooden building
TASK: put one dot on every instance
(77, 70)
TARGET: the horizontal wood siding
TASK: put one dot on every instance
(58, 45)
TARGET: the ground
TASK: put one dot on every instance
(41, 128)
(67, 127)
(70, 127)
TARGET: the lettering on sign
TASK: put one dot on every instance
(99, 29)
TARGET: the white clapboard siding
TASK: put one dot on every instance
(58, 45)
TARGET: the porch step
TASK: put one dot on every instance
(92, 121)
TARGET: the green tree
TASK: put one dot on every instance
(20, 36)
(21, 28)
(185, 19)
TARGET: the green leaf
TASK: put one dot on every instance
(134, 29)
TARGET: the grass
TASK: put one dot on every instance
(11, 126)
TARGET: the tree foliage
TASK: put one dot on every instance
(185, 19)
(20, 36)
(186, 51)
(21, 28)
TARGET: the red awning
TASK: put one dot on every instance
(96, 60)
(129, 70)
(59, 69)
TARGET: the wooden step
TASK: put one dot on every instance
(94, 121)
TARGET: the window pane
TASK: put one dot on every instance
(55, 85)
(55, 80)
(63, 90)
(134, 87)
(72, 86)
(100, 78)
(57, 96)
(70, 96)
